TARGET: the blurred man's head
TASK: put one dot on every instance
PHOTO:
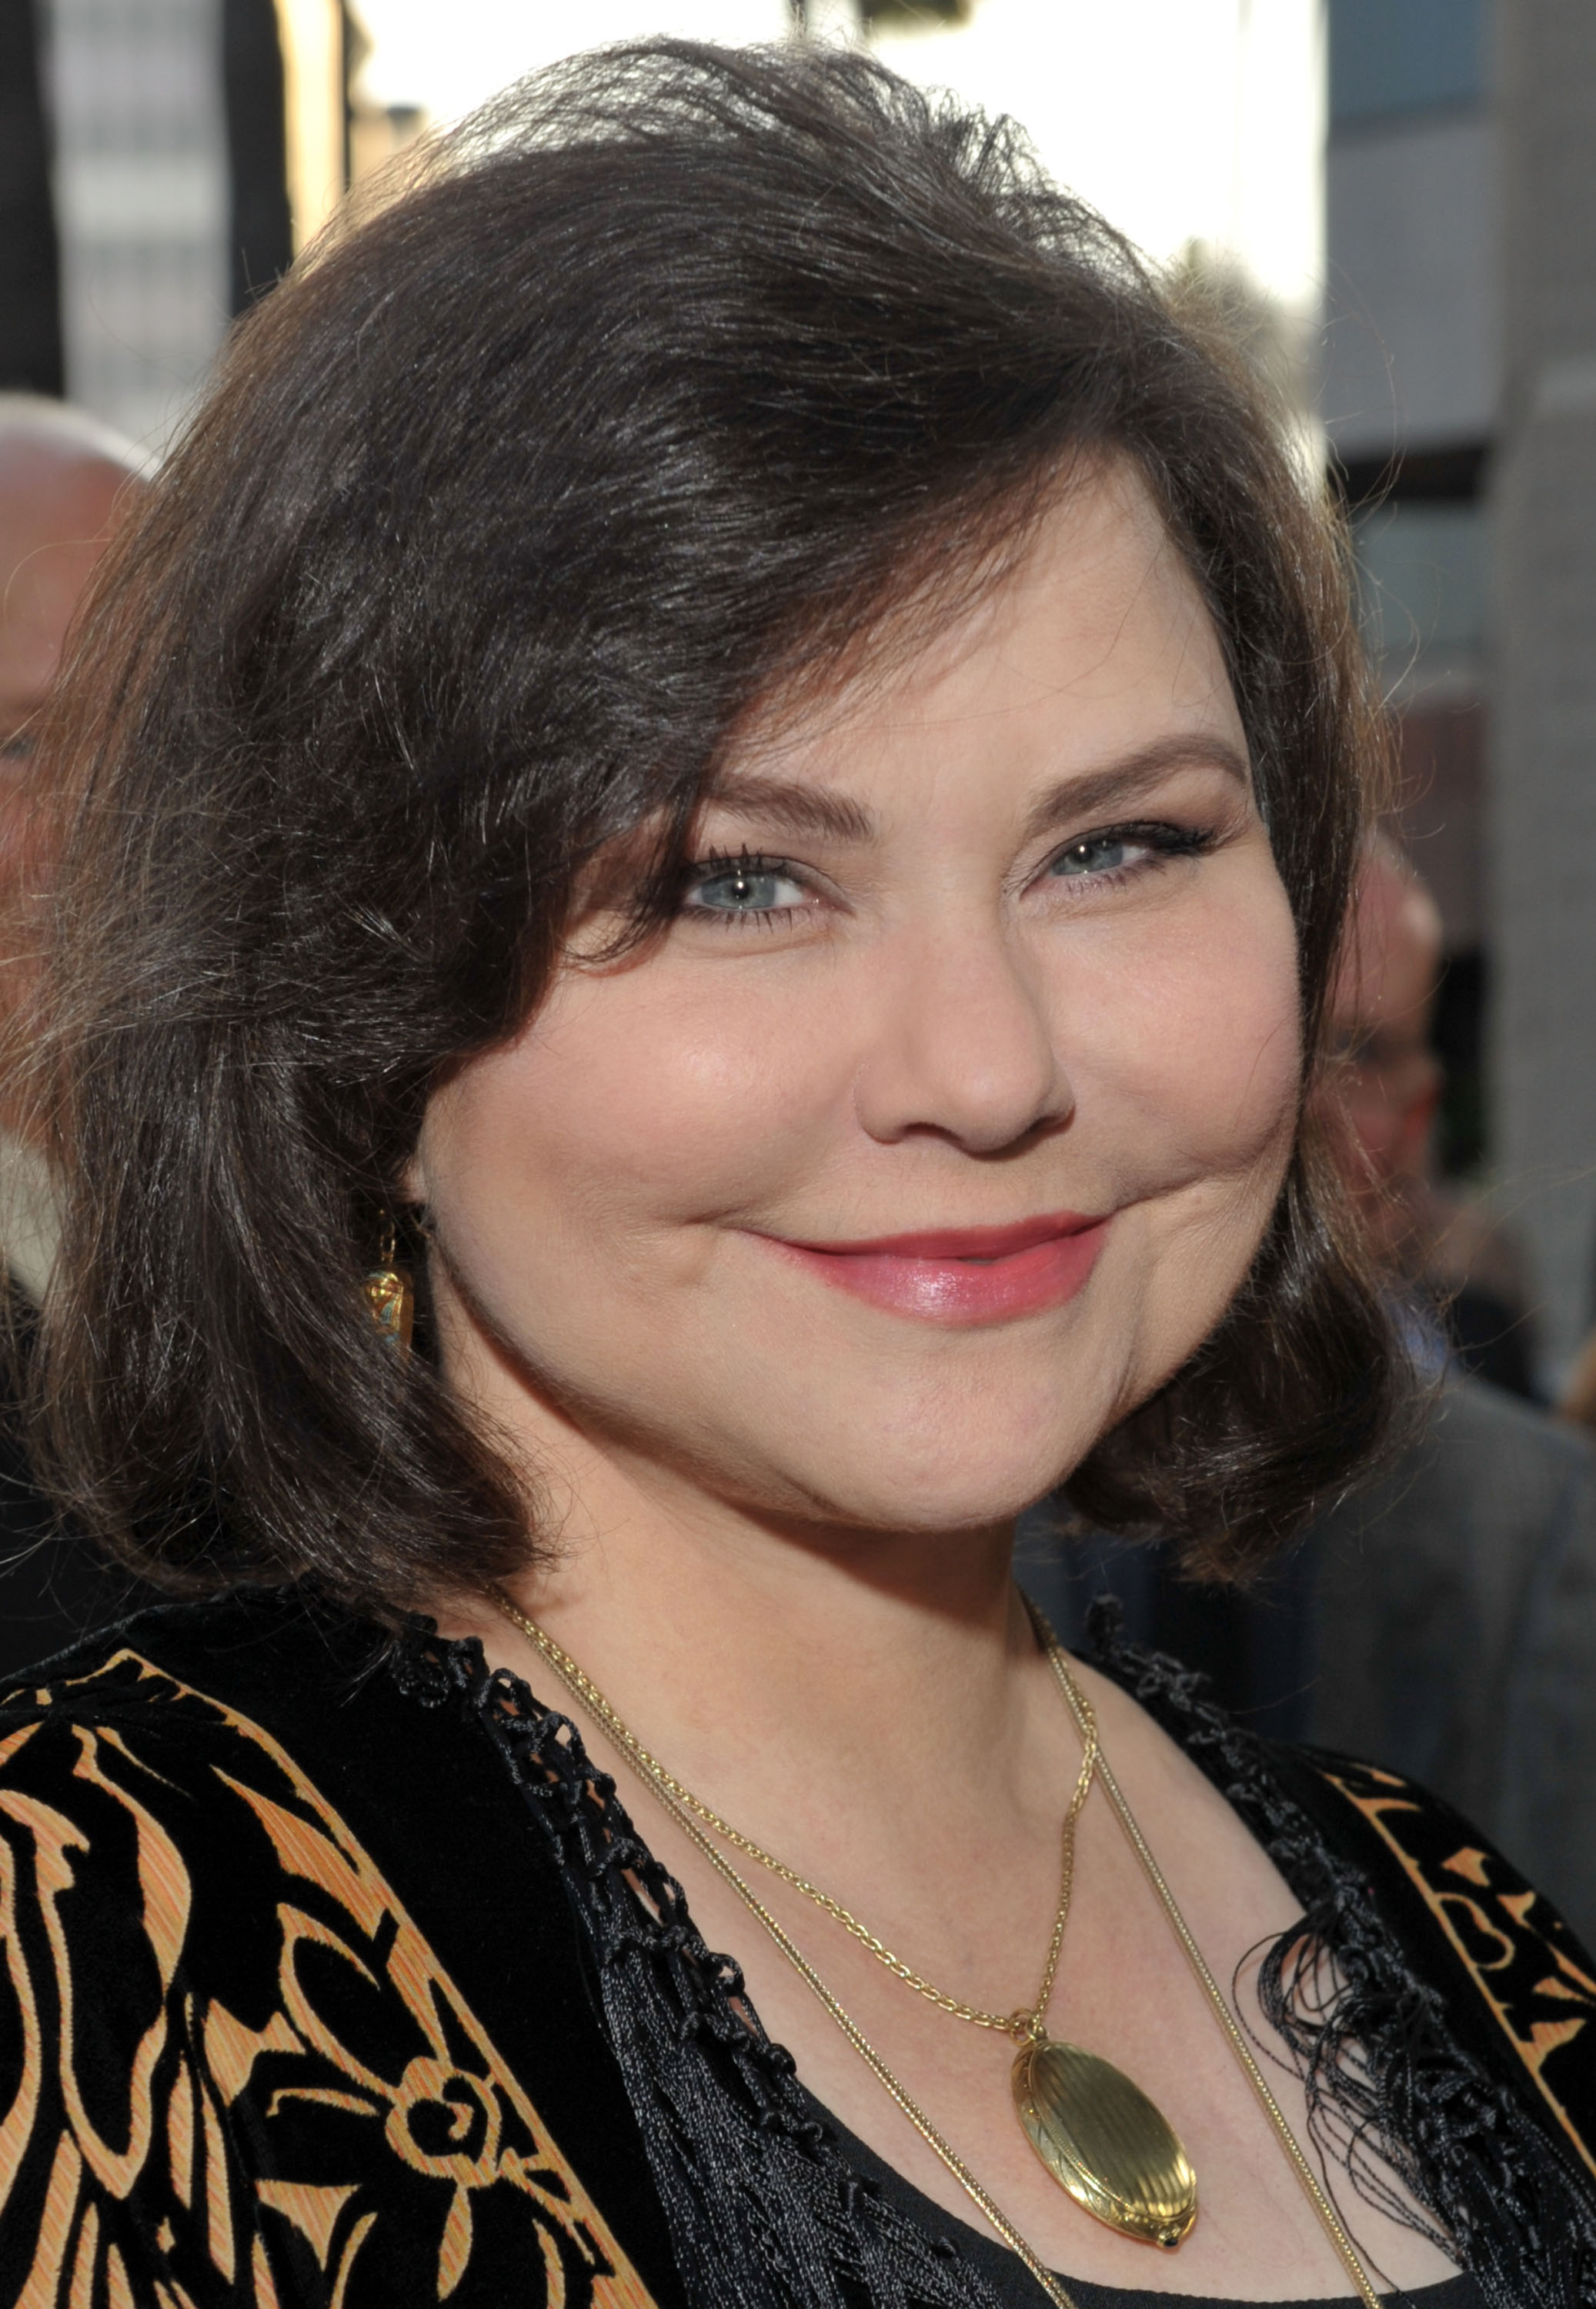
(1388, 1085)
(65, 480)
(61, 474)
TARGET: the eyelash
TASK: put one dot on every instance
(746, 862)
(1164, 840)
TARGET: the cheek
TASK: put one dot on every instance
(1198, 1038)
(629, 1106)
(36, 614)
(1236, 1069)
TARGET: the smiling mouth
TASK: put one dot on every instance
(961, 1276)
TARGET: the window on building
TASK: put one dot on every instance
(1393, 56)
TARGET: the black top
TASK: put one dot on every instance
(326, 1980)
(1012, 2282)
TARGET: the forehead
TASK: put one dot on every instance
(1390, 958)
(55, 515)
(51, 493)
(1093, 638)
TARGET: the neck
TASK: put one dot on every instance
(762, 1656)
(719, 1628)
(759, 1661)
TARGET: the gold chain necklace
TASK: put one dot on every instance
(1024, 2025)
(1096, 2131)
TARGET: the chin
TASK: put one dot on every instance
(907, 1450)
(960, 1485)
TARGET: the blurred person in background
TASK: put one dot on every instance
(1451, 1262)
(1442, 1621)
(1576, 1402)
(1576, 1396)
(65, 483)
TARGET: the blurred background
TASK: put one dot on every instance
(1399, 195)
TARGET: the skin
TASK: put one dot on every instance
(1380, 1103)
(784, 1515)
(1383, 1104)
(61, 496)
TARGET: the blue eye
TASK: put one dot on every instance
(1099, 853)
(750, 886)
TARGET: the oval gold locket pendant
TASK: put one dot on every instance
(1102, 2140)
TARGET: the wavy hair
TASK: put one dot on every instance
(649, 390)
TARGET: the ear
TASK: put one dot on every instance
(1418, 1116)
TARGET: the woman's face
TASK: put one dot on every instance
(942, 1123)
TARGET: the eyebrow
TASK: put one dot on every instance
(796, 807)
(1122, 783)
(800, 808)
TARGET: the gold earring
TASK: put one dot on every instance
(391, 1292)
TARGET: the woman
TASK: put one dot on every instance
(729, 727)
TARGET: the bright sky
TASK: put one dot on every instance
(1180, 119)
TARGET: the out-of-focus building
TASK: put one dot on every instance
(1460, 397)
(1412, 396)
(1543, 507)
(162, 162)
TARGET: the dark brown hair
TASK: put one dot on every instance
(662, 378)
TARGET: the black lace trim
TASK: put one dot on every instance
(1389, 2089)
(763, 2209)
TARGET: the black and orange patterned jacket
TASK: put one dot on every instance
(322, 1984)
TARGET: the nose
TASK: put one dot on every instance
(963, 1043)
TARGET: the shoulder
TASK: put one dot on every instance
(265, 1699)
(168, 1753)
(1482, 1462)
(1455, 1625)
(129, 1762)
(266, 2044)
(1449, 1960)
(1518, 1988)
(247, 1637)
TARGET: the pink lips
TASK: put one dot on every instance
(966, 1276)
